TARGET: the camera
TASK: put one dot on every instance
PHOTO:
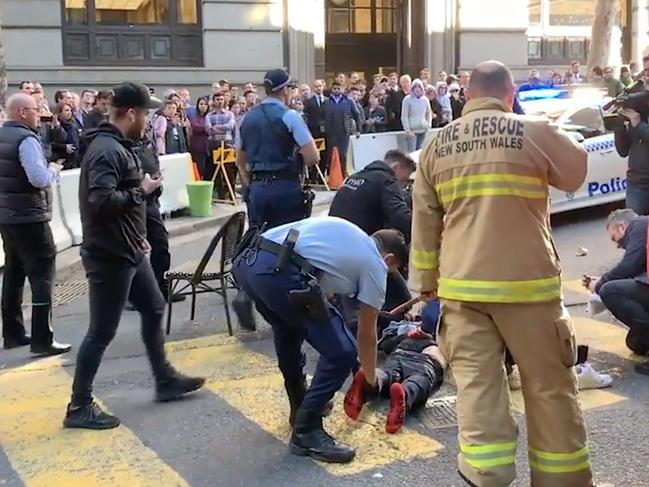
(638, 101)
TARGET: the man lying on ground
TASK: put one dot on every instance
(413, 371)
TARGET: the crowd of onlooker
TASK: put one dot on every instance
(349, 106)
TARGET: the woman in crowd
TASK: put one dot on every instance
(444, 100)
(555, 79)
(298, 106)
(198, 140)
(66, 134)
(457, 104)
(431, 94)
(416, 116)
(376, 118)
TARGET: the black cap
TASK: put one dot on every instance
(133, 95)
(276, 79)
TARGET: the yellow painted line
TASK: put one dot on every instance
(590, 399)
(604, 337)
(251, 383)
(575, 286)
(43, 454)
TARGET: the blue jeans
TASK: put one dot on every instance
(637, 198)
(275, 202)
(416, 142)
(336, 346)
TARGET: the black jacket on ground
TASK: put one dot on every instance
(373, 199)
(634, 142)
(112, 204)
(634, 263)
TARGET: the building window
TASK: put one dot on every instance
(571, 12)
(559, 30)
(360, 16)
(132, 32)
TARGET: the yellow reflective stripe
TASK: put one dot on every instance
(424, 259)
(488, 448)
(491, 185)
(552, 462)
(560, 469)
(536, 290)
(494, 462)
(544, 455)
(489, 455)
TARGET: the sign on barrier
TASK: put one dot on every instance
(177, 171)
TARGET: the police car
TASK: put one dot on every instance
(580, 115)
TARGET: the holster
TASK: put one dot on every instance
(308, 195)
(249, 239)
(311, 301)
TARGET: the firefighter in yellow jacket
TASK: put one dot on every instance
(481, 242)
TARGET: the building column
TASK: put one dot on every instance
(305, 19)
(412, 28)
(639, 29)
(440, 36)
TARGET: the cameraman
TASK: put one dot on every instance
(632, 139)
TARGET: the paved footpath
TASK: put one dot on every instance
(234, 433)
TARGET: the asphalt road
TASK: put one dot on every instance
(234, 432)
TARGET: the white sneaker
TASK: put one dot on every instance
(514, 379)
(589, 378)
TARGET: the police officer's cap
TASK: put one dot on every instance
(277, 79)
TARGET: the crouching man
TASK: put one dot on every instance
(624, 290)
(413, 371)
(289, 272)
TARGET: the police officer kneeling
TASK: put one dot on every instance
(289, 271)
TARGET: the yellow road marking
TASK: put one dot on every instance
(590, 399)
(251, 383)
(43, 454)
(576, 286)
(604, 337)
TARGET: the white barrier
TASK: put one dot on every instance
(177, 171)
(372, 147)
(68, 198)
(60, 231)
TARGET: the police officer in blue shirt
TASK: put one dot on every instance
(289, 272)
(273, 145)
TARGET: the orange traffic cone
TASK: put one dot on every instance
(335, 179)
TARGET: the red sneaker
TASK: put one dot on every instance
(354, 399)
(397, 413)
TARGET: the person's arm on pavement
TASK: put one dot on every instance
(32, 159)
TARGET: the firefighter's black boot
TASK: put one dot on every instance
(309, 439)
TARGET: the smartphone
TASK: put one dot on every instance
(46, 118)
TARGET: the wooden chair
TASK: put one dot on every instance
(207, 277)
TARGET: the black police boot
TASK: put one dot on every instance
(243, 308)
(176, 386)
(309, 439)
(296, 392)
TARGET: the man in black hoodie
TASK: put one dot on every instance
(374, 198)
(112, 194)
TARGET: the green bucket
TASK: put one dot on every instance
(200, 198)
